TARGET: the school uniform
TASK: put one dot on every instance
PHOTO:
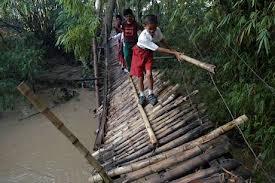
(142, 58)
(130, 39)
(119, 39)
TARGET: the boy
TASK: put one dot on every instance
(118, 24)
(143, 56)
(129, 29)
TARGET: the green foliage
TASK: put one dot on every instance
(20, 60)
(37, 16)
(233, 35)
(77, 24)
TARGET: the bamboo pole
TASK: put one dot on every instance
(162, 141)
(203, 139)
(190, 135)
(43, 108)
(191, 164)
(134, 131)
(171, 162)
(100, 134)
(96, 72)
(185, 155)
(170, 118)
(193, 133)
(206, 66)
(148, 127)
(229, 164)
(131, 141)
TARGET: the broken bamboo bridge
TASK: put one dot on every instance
(173, 141)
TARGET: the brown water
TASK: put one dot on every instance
(34, 151)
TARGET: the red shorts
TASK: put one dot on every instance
(142, 60)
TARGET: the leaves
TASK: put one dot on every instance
(21, 62)
(247, 26)
(77, 24)
(263, 39)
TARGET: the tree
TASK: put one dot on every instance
(37, 16)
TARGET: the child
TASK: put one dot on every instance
(119, 48)
(119, 40)
(143, 56)
(129, 28)
(118, 24)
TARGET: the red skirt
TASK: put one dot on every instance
(142, 60)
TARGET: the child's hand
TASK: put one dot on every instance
(177, 54)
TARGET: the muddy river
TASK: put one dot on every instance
(33, 151)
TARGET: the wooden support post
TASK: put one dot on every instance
(103, 120)
(148, 127)
(95, 58)
(43, 108)
(198, 63)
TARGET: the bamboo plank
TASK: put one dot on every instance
(161, 157)
(148, 127)
(191, 164)
(229, 164)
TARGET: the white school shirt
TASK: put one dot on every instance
(146, 41)
(119, 37)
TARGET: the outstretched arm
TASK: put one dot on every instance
(165, 44)
(172, 52)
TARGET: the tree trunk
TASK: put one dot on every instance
(109, 15)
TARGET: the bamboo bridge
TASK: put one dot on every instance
(173, 141)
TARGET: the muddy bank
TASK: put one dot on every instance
(32, 150)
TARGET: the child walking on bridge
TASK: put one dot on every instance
(118, 38)
(129, 29)
(142, 59)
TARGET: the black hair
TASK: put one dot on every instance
(150, 19)
(128, 12)
(119, 16)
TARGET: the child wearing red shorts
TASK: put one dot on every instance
(142, 58)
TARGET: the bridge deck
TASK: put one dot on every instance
(189, 148)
